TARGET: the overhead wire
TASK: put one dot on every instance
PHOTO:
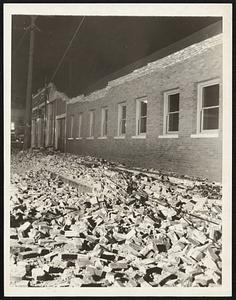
(68, 47)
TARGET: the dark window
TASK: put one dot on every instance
(210, 96)
(173, 122)
(122, 119)
(173, 113)
(71, 125)
(142, 116)
(210, 107)
(211, 118)
(91, 125)
(104, 121)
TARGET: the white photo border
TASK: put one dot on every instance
(181, 9)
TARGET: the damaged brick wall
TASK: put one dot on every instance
(60, 107)
(184, 155)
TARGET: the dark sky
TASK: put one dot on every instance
(103, 45)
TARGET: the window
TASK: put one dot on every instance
(91, 123)
(208, 107)
(79, 129)
(71, 126)
(51, 130)
(208, 110)
(141, 116)
(171, 112)
(121, 119)
(104, 121)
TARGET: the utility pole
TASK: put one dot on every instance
(27, 135)
(45, 112)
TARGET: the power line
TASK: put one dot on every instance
(68, 47)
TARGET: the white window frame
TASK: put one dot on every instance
(166, 133)
(120, 107)
(71, 126)
(208, 132)
(104, 109)
(91, 123)
(138, 117)
(79, 128)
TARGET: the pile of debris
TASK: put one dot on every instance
(130, 230)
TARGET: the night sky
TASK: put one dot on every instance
(103, 46)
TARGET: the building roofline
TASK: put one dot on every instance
(196, 37)
(169, 60)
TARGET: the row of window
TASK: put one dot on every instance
(207, 111)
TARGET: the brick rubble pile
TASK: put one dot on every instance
(127, 230)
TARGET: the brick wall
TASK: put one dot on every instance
(60, 107)
(184, 155)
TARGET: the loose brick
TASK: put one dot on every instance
(69, 256)
(28, 254)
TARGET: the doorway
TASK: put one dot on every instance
(61, 134)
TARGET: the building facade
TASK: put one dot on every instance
(48, 119)
(166, 115)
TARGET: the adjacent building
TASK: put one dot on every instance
(165, 114)
(48, 119)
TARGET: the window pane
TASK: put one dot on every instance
(91, 118)
(91, 123)
(210, 118)
(105, 121)
(143, 109)
(105, 128)
(122, 127)
(79, 125)
(106, 115)
(123, 113)
(210, 95)
(173, 122)
(143, 125)
(71, 125)
(173, 103)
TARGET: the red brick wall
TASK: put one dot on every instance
(184, 155)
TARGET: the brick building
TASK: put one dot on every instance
(38, 119)
(165, 114)
(48, 119)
